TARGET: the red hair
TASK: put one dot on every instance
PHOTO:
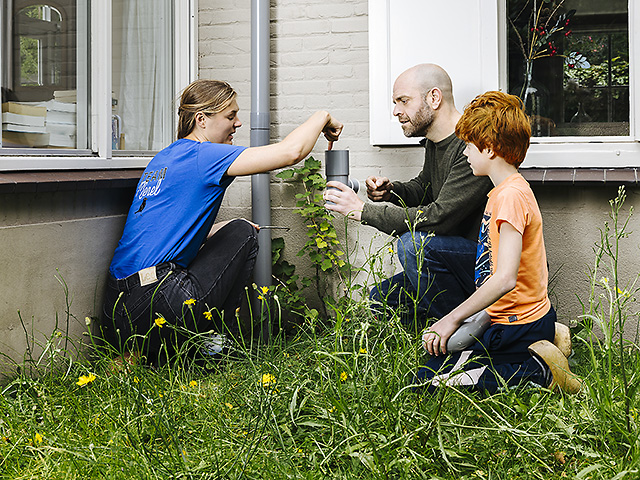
(496, 120)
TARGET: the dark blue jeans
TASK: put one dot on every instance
(212, 287)
(438, 276)
(499, 359)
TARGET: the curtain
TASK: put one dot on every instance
(145, 93)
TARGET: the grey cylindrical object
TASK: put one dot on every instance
(336, 165)
(260, 123)
(468, 332)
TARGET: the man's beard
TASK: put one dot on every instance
(418, 126)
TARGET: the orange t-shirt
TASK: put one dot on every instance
(512, 201)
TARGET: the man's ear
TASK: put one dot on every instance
(434, 98)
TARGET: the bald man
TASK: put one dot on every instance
(436, 215)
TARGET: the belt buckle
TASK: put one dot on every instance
(148, 276)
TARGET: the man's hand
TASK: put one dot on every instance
(434, 338)
(379, 188)
(345, 200)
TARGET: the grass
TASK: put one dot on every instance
(331, 401)
(326, 404)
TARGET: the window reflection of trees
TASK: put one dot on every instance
(580, 80)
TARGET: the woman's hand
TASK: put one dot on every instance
(434, 338)
(332, 130)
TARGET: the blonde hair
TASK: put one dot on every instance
(206, 96)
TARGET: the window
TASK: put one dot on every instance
(91, 83)
(581, 90)
(569, 62)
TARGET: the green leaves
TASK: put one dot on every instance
(323, 246)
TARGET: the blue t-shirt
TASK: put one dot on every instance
(175, 205)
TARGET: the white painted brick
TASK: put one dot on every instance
(319, 60)
(303, 28)
(350, 25)
(331, 10)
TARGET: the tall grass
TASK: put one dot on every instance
(330, 401)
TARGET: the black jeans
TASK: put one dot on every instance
(197, 299)
(499, 358)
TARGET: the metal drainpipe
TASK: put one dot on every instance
(260, 122)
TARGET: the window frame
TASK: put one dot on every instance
(100, 155)
(545, 152)
(592, 152)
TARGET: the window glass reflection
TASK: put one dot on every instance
(569, 63)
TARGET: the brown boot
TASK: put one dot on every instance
(562, 339)
(558, 364)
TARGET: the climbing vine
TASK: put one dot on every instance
(322, 246)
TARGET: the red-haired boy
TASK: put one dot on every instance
(511, 268)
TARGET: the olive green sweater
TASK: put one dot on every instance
(449, 198)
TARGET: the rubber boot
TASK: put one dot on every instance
(562, 339)
(558, 364)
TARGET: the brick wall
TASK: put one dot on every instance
(319, 60)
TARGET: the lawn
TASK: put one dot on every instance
(330, 398)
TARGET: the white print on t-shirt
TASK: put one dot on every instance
(150, 183)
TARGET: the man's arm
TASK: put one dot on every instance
(501, 282)
(460, 195)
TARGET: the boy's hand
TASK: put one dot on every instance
(434, 339)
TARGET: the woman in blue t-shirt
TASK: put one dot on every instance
(175, 272)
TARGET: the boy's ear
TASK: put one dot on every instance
(491, 153)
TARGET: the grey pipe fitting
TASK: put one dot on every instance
(469, 332)
(336, 164)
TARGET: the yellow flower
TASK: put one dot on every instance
(623, 293)
(208, 315)
(84, 379)
(38, 438)
(419, 212)
(228, 405)
(87, 321)
(268, 380)
(391, 250)
(193, 383)
(160, 321)
(604, 281)
(136, 380)
(363, 350)
(343, 376)
(264, 290)
(191, 301)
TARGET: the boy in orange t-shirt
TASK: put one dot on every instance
(511, 268)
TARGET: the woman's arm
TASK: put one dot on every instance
(502, 281)
(296, 146)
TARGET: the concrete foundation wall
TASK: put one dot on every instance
(319, 59)
(50, 239)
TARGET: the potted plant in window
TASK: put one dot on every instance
(537, 25)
